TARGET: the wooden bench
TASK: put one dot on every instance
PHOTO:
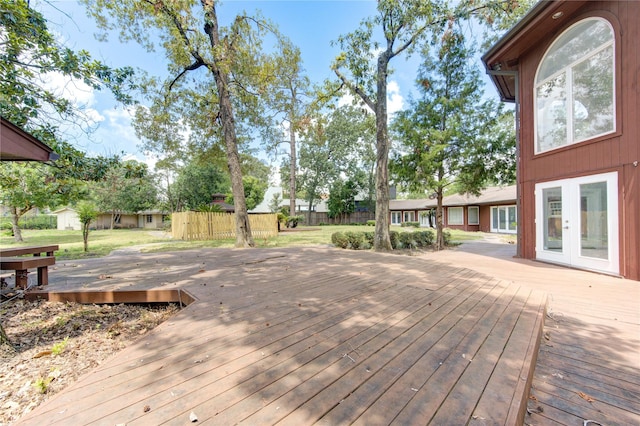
(9, 260)
(34, 250)
(22, 264)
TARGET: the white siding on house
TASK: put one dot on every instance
(68, 220)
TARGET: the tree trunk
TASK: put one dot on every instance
(85, 236)
(382, 242)
(292, 150)
(15, 217)
(439, 222)
(292, 170)
(243, 229)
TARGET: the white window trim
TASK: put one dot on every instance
(396, 217)
(568, 69)
(503, 231)
(461, 210)
(477, 209)
(411, 213)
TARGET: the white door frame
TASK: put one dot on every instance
(568, 251)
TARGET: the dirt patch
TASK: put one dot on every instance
(55, 343)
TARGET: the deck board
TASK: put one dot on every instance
(347, 337)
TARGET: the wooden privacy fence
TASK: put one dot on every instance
(191, 226)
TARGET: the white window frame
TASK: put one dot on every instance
(455, 222)
(396, 218)
(408, 216)
(568, 71)
(477, 221)
(495, 211)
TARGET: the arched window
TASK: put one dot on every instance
(577, 71)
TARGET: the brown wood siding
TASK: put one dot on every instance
(485, 219)
(615, 152)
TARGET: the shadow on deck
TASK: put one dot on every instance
(302, 336)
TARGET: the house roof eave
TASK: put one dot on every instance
(18, 145)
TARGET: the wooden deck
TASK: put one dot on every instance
(588, 366)
(303, 336)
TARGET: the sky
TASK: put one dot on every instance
(311, 25)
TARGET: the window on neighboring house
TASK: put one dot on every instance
(396, 218)
(473, 213)
(409, 217)
(117, 218)
(149, 218)
(455, 216)
(574, 86)
(504, 219)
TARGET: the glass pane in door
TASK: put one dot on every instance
(594, 238)
(513, 222)
(502, 219)
(552, 220)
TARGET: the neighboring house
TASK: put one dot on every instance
(493, 211)
(68, 219)
(319, 213)
(219, 200)
(573, 67)
(301, 205)
(120, 220)
(153, 219)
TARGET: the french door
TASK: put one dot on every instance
(577, 222)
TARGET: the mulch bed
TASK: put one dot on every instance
(52, 344)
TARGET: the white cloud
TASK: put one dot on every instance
(395, 101)
(76, 91)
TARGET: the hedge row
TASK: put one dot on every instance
(31, 222)
(363, 240)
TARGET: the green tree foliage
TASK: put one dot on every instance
(23, 186)
(87, 212)
(218, 79)
(28, 53)
(342, 198)
(363, 67)
(126, 187)
(254, 190)
(335, 146)
(352, 131)
(319, 157)
(447, 137)
(274, 203)
(195, 185)
(289, 105)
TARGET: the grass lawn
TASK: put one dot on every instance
(103, 242)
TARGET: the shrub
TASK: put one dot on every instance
(339, 240)
(446, 236)
(371, 223)
(369, 237)
(292, 221)
(410, 224)
(407, 240)
(393, 236)
(42, 221)
(424, 238)
(356, 240)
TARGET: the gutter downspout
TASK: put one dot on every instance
(514, 74)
